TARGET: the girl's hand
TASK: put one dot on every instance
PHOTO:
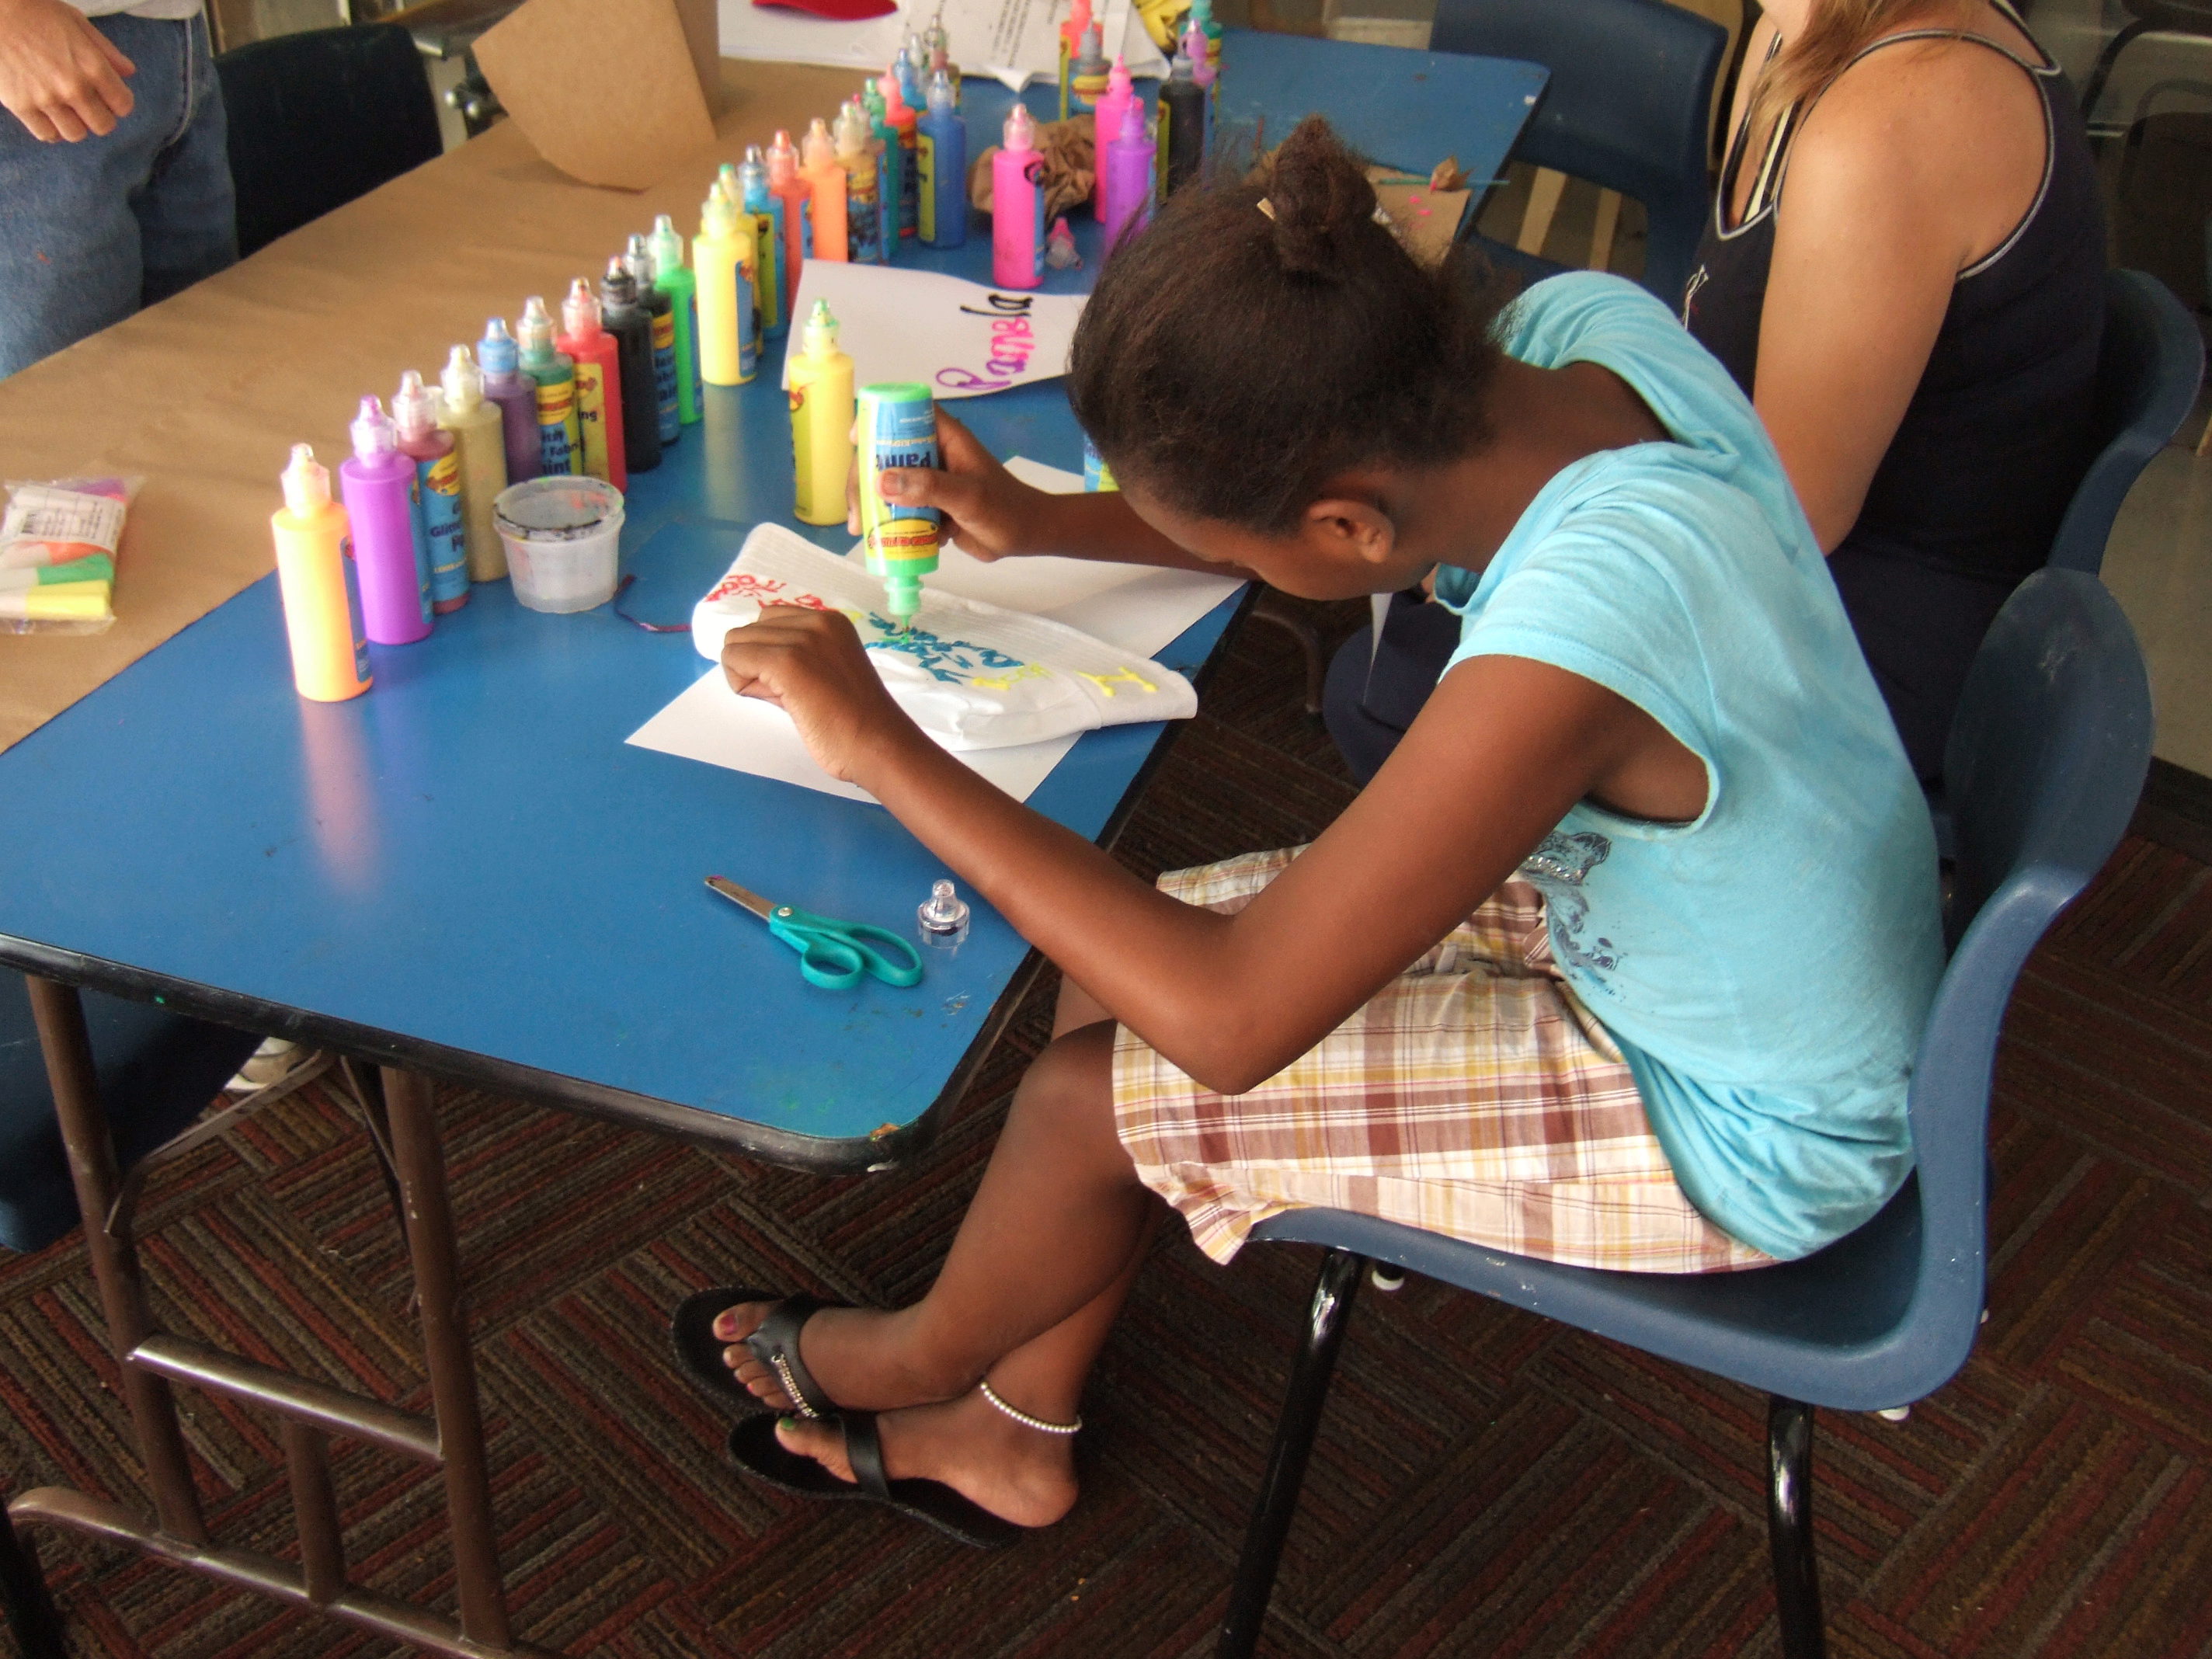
(988, 512)
(811, 665)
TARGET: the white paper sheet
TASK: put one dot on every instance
(1134, 607)
(960, 339)
(1014, 41)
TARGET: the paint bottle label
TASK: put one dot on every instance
(778, 240)
(807, 228)
(802, 445)
(765, 261)
(663, 373)
(441, 481)
(864, 223)
(1036, 240)
(925, 152)
(897, 428)
(748, 276)
(354, 616)
(418, 514)
(591, 394)
(556, 419)
(698, 370)
(909, 182)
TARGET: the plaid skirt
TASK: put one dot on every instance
(1474, 1095)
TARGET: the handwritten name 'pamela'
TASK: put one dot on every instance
(1012, 344)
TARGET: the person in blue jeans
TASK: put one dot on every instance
(114, 170)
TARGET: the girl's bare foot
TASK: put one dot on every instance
(1015, 1473)
(859, 1356)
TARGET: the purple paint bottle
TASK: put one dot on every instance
(516, 394)
(378, 485)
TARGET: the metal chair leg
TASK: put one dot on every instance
(2106, 60)
(1270, 608)
(31, 1612)
(1326, 1319)
(1789, 1527)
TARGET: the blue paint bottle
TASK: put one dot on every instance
(941, 148)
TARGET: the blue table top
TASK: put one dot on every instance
(468, 870)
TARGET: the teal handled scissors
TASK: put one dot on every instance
(832, 954)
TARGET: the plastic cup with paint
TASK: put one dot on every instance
(563, 539)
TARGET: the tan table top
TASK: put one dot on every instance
(205, 393)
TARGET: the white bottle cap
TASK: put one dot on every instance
(414, 406)
(462, 380)
(1021, 129)
(374, 434)
(307, 481)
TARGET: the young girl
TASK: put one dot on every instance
(1621, 959)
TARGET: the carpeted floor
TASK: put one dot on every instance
(1486, 1482)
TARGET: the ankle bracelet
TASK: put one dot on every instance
(1023, 1418)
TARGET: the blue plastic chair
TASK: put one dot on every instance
(2148, 365)
(2046, 762)
(158, 1071)
(1628, 107)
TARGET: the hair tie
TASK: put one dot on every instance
(1266, 207)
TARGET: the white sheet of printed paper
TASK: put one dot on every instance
(960, 339)
(1012, 41)
(1133, 607)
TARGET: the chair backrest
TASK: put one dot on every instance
(320, 118)
(1626, 107)
(2046, 759)
(2148, 368)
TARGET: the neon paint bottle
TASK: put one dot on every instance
(890, 164)
(479, 441)
(599, 412)
(437, 490)
(897, 428)
(322, 606)
(1018, 205)
(1087, 81)
(637, 259)
(1128, 175)
(791, 192)
(1202, 20)
(1071, 48)
(379, 486)
(864, 205)
(1204, 55)
(941, 149)
(624, 316)
(912, 68)
(826, 199)
(821, 420)
(722, 250)
(516, 394)
(560, 434)
(766, 212)
(673, 278)
(1183, 126)
(903, 117)
(1106, 127)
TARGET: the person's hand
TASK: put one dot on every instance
(987, 511)
(811, 665)
(60, 77)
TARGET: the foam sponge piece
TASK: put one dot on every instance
(971, 675)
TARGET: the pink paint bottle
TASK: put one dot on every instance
(1017, 206)
(1107, 127)
(379, 486)
(794, 192)
(1128, 176)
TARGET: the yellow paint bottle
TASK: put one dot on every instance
(722, 264)
(322, 608)
(480, 442)
(821, 420)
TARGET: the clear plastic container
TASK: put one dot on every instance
(564, 537)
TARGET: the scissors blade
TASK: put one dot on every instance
(744, 897)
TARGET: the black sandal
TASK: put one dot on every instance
(776, 1345)
(755, 1449)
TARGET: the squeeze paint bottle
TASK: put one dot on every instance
(1071, 47)
(864, 206)
(673, 278)
(1202, 20)
(897, 428)
(1018, 205)
(637, 259)
(559, 434)
(821, 420)
(1183, 124)
(890, 164)
(903, 119)
(826, 199)
(1106, 127)
(516, 394)
(480, 442)
(379, 486)
(1204, 55)
(940, 57)
(722, 251)
(941, 152)
(766, 212)
(322, 607)
(791, 192)
(912, 68)
(1087, 82)
(437, 490)
(599, 411)
(1129, 174)
(624, 316)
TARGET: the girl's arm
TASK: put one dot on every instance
(1504, 748)
(1910, 168)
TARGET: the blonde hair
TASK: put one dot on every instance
(1835, 32)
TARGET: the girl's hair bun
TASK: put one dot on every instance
(1319, 200)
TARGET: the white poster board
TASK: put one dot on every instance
(960, 339)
